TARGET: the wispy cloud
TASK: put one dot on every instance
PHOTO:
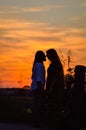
(84, 13)
(83, 4)
(17, 10)
(74, 18)
(26, 31)
(42, 8)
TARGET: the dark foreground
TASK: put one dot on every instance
(16, 114)
(14, 126)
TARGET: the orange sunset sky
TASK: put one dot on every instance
(30, 25)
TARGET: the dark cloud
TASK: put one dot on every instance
(79, 33)
(45, 39)
(82, 50)
(11, 39)
(20, 58)
(2, 69)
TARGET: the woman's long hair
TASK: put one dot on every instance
(54, 58)
(39, 57)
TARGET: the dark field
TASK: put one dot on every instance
(18, 109)
(15, 108)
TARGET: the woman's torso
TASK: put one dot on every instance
(38, 75)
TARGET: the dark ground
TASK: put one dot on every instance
(16, 114)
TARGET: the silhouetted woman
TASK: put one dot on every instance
(55, 79)
(37, 85)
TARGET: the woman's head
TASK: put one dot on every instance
(40, 56)
(52, 55)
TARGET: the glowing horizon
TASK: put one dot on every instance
(27, 26)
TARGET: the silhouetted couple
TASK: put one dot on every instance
(54, 81)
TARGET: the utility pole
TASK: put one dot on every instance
(0, 83)
(20, 81)
(62, 57)
(69, 58)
